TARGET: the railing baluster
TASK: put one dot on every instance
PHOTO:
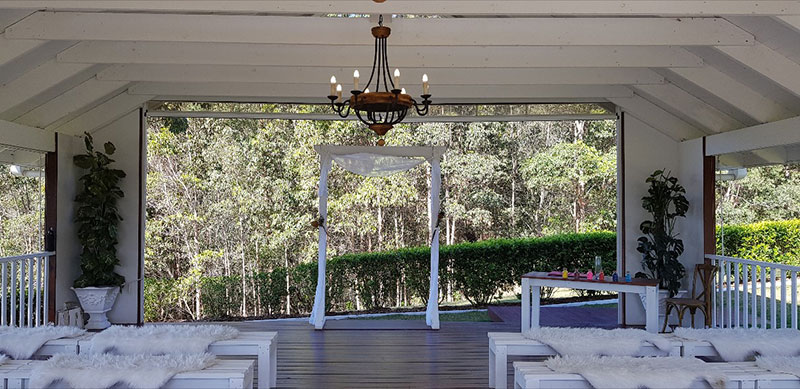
(39, 312)
(745, 299)
(729, 310)
(46, 305)
(4, 287)
(754, 297)
(21, 294)
(716, 295)
(794, 299)
(772, 294)
(736, 293)
(30, 292)
(783, 299)
(13, 293)
(763, 297)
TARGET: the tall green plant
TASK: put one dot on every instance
(660, 247)
(97, 216)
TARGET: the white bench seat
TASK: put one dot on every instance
(231, 374)
(503, 344)
(529, 375)
(259, 344)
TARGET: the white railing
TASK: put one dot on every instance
(24, 288)
(741, 299)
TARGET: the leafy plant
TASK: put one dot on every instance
(97, 216)
(660, 247)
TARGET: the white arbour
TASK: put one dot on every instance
(377, 161)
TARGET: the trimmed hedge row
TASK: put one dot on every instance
(770, 241)
(477, 271)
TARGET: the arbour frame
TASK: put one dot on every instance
(432, 155)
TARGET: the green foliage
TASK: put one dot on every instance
(660, 247)
(97, 216)
(771, 241)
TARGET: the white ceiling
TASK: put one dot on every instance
(688, 68)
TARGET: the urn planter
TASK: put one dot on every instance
(97, 301)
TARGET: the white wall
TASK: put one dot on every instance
(124, 133)
(646, 150)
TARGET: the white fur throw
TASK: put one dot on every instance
(22, 343)
(789, 365)
(740, 344)
(597, 341)
(3, 359)
(159, 339)
(96, 371)
(634, 373)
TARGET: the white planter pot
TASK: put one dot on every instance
(96, 301)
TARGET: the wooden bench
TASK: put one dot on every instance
(231, 374)
(503, 344)
(537, 375)
(61, 346)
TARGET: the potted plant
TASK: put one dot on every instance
(660, 246)
(97, 218)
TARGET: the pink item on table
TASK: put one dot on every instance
(590, 275)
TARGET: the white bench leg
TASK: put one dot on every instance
(500, 366)
(264, 366)
(236, 383)
(491, 368)
(273, 363)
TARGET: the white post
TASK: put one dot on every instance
(432, 313)
(318, 312)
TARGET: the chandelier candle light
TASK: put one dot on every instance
(388, 104)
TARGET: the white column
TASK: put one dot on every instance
(432, 313)
(318, 312)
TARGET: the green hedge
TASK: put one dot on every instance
(478, 271)
(771, 241)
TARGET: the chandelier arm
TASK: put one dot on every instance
(374, 61)
(387, 70)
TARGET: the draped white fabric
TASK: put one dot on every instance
(432, 313)
(376, 162)
(376, 165)
(318, 312)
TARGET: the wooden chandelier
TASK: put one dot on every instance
(387, 104)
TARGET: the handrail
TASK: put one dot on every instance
(28, 256)
(753, 262)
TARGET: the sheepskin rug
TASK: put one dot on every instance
(159, 339)
(788, 365)
(634, 373)
(741, 344)
(22, 343)
(597, 341)
(97, 371)
(3, 359)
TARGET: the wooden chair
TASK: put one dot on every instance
(702, 301)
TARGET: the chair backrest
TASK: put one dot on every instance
(705, 272)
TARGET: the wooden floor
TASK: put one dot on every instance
(379, 353)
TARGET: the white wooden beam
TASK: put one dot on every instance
(11, 16)
(406, 32)
(402, 56)
(755, 105)
(441, 94)
(684, 105)
(792, 21)
(768, 62)
(31, 59)
(36, 81)
(658, 118)
(23, 157)
(409, 76)
(26, 137)
(70, 102)
(104, 113)
(435, 7)
(780, 133)
(10, 49)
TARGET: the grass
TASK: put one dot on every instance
(460, 316)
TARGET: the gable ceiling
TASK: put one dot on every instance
(688, 68)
